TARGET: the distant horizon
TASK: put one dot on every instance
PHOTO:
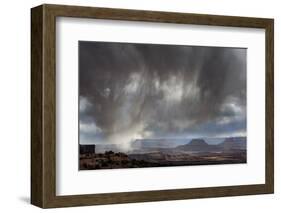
(168, 139)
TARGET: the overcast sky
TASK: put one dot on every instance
(135, 91)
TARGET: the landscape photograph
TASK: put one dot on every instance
(161, 105)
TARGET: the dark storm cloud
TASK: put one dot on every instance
(144, 90)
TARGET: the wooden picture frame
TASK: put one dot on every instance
(43, 105)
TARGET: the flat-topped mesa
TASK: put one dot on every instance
(198, 145)
(234, 143)
(198, 142)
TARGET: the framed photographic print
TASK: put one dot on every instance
(136, 106)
